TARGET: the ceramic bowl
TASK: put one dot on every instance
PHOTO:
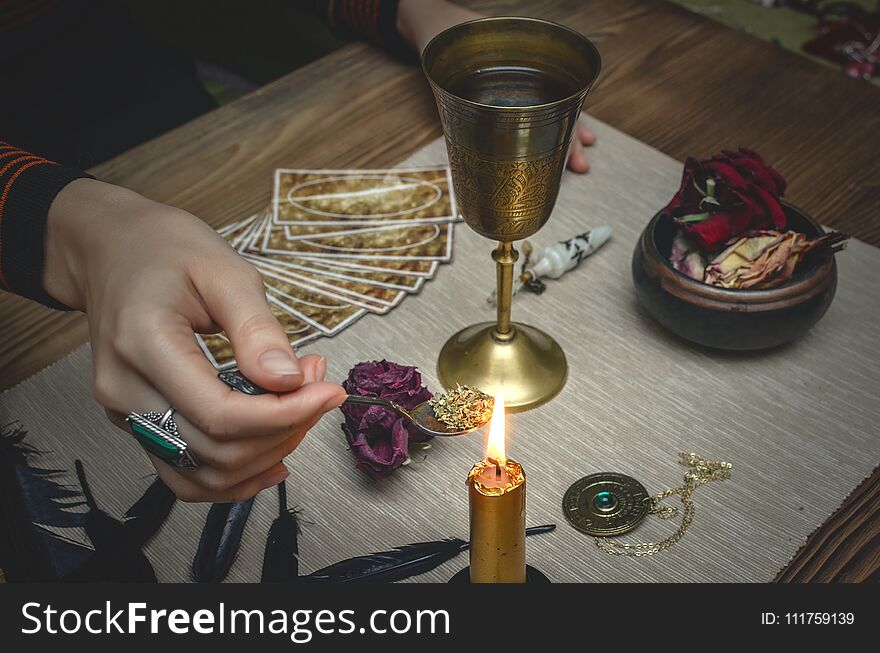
(720, 318)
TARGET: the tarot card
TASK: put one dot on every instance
(421, 242)
(218, 349)
(420, 269)
(236, 232)
(328, 270)
(363, 197)
(293, 324)
(251, 244)
(249, 237)
(356, 290)
(329, 316)
(303, 291)
(233, 231)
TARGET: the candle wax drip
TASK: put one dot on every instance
(487, 480)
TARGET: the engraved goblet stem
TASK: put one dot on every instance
(505, 256)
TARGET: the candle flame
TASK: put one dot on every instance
(495, 444)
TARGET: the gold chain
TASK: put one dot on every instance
(700, 472)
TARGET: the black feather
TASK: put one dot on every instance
(147, 514)
(117, 557)
(33, 499)
(389, 566)
(220, 540)
(400, 563)
(48, 501)
(281, 561)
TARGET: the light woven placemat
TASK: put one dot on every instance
(799, 424)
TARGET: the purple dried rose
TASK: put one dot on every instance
(378, 437)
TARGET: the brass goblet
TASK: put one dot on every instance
(509, 92)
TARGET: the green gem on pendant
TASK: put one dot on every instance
(605, 501)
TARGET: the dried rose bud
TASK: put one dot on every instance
(727, 196)
(378, 436)
(764, 259)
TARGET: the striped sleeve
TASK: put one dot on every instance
(28, 186)
(373, 20)
(17, 13)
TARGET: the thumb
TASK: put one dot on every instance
(259, 343)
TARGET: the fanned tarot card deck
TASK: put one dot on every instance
(335, 245)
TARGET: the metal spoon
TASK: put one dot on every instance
(422, 416)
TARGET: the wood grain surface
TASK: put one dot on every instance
(846, 548)
(672, 79)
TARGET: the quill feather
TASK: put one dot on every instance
(281, 561)
(35, 503)
(399, 563)
(220, 540)
(389, 566)
(117, 557)
(147, 514)
(47, 500)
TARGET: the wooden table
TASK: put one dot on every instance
(673, 79)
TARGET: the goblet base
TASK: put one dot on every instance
(529, 367)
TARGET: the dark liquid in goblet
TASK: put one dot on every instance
(512, 86)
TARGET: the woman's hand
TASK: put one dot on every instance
(150, 276)
(419, 21)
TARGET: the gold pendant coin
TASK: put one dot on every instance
(605, 504)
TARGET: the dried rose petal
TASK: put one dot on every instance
(764, 259)
(379, 451)
(686, 257)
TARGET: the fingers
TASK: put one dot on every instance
(238, 478)
(311, 367)
(240, 466)
(577, 158)
(186, 489)
(237, 302)
(224, 466)
(160, 352)
(227, 471)
(321, 369)
(179, 371)
(231, 468)
(587, 137)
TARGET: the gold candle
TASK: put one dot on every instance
(497, 492)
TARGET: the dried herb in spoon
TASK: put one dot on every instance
(463, 407)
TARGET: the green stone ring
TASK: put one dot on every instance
(157, 433)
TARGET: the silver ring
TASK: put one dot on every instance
(158, 434)
(164, 420)
(166, 417)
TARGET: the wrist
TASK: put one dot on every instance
(79, 229)
(419, 21)
(404, 22)
(61, 262)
